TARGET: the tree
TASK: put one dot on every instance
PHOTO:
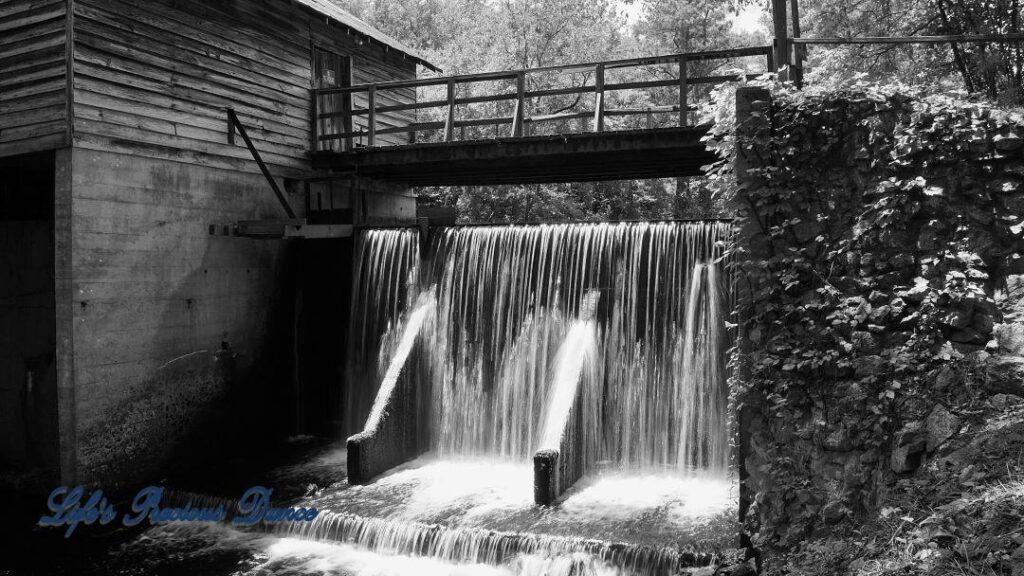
(994, 69)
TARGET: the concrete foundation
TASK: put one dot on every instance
(176, 326)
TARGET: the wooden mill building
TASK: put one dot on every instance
(136, 325)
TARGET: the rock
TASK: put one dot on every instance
(941, 425)
(897, 305)
(909, 448)
(918, 291)
(1010, 338)
(868, 365)
(984, 322)
(999, 401)
(945, 377)
(968, 336)
(901, 260)
(1006, 374)
(880, 314)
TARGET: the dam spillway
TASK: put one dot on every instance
(503, 301)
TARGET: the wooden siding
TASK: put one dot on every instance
(154, 77)
(33, 76)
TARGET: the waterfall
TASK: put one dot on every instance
(507, 298)
(529, 553)
(386, 281)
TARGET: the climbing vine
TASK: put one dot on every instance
(874, 226)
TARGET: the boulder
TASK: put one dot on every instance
(868, 365)
(1005, 374)
(1009, 337)
(945, 378)
(909, 448)
(941, 425)
(968, 336)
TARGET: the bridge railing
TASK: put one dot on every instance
(385, 113)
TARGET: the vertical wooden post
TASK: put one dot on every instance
(781, 34)
(314, 122)
(371, 122)
(684, 89)
(449, 125)
(599, 98)
(519, 115)
(798, 56)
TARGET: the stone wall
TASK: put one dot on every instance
(876, 230)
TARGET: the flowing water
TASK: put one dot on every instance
(506, 301)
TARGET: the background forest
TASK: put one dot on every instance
(464, 36)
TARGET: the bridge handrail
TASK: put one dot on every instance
(512, 74)
(341, 107)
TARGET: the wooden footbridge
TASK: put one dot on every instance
(611, 120)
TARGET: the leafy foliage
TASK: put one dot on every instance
(874, 225)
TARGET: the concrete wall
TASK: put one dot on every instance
(173, 328)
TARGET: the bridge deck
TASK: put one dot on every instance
(634, 154)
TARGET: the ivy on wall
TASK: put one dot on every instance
(875, 225)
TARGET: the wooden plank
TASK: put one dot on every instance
(449, 124)
(684, 90)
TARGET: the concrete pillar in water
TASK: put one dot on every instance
(565, 452)
(396, 429)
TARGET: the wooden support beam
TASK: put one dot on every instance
(235, 124)
(449, 124)
(520, 110)
(798, 61)
(599, 98)
(781, 34)
(315, 121)
(371, 122)
(684, 90)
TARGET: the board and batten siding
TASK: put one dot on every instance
(33, 76)
(154, 77)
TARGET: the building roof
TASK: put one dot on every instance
(334, 12)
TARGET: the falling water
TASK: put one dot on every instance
(472, 546)
(386, 280)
